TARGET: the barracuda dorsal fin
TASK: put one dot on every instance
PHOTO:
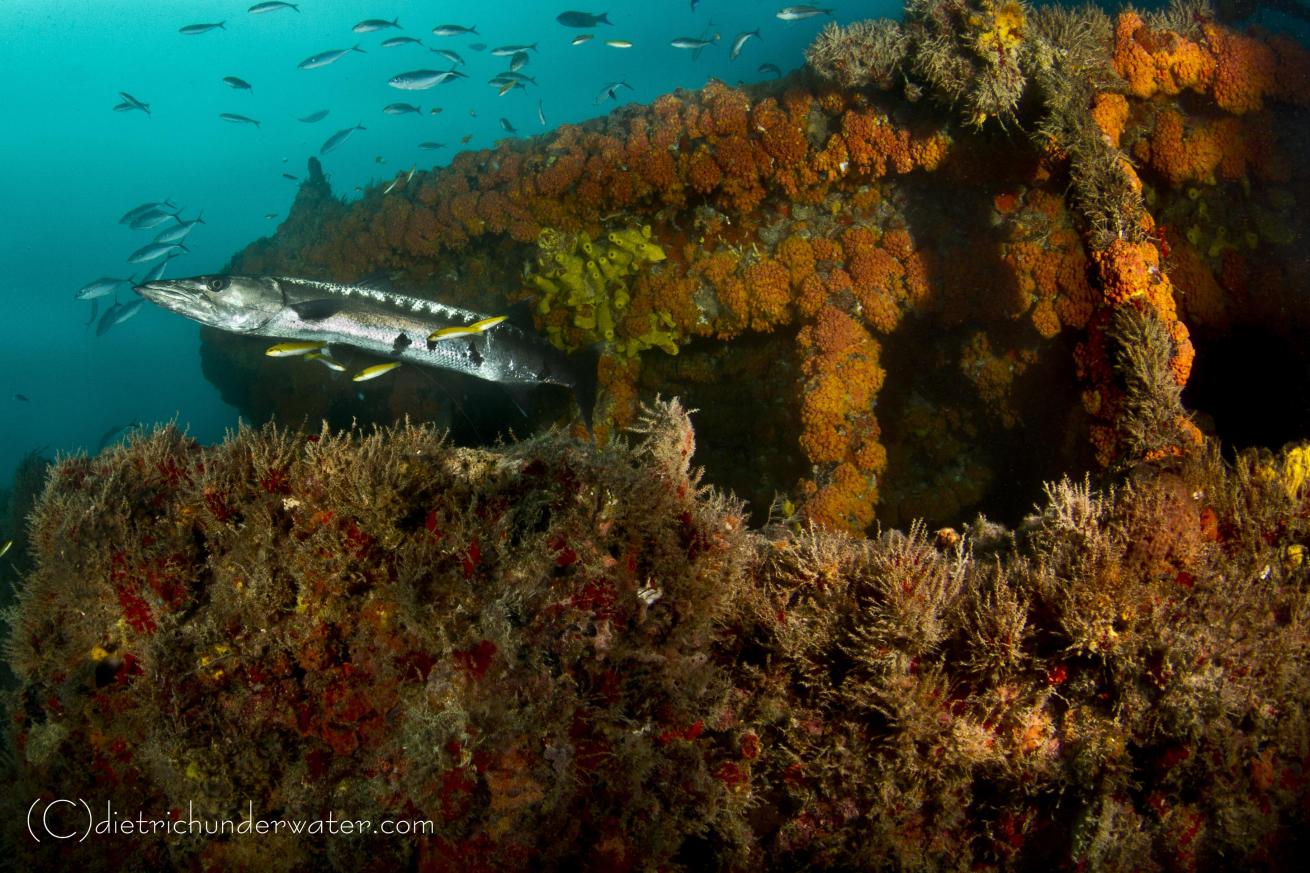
(317, 310)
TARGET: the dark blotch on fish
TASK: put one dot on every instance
(582, 19)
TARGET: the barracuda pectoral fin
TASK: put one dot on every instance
(317, 310)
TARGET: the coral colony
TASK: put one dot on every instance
(988, 219)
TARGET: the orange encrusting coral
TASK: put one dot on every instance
(842, 377)
(1156, 62)
(1110, 112)
(782, 210)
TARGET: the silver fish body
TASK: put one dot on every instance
(271, 6)
(314, 116)
(238, 119)
(375, 24)
(130, 103)
(179, 231)
(739, 42)
(137, 211)
(151, 218)
(117, 314)
(99, 288)
(196, 29)
(452, 30)
(155, 273)
(401, 109)
(151, 251)
(384, 323)
(421, 80)
(397, 41)
(800, 13)
(322, 59)
(338, 138)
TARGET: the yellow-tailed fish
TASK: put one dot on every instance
(466, 329)
(618, 43)
(374, 371)
(326, 361)
(4, 550)
(287, 350)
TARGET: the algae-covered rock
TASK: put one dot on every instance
(557, 657)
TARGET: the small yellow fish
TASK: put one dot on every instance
(286, 350)
(326, 361)
(476, 327)
(618, 43)
(374, 371)
(4, 550)
(579, 40)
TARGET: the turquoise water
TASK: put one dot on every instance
(72, 166)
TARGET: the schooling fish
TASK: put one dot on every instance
(117, 314)
(739, 42)
(396, 41)
(381, 322)
(130, 103)
(401, 109)
(132, 214)
(582, 20)
(373, 24)
(611, 91)
(179, 231)
(338, 138)
(194, 29)
(237, 119)
(322, 59)
(452, 30)
(421, 80)
(800, 13)
(315, 116)
(238, 84)
(690, 42)
(449, 55)
(99, 288)
(152, 218)
(771, 68)
(287, 350)
(374, 371)
(272, 6)
(506, 51)
(153, 250)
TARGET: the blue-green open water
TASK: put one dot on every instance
(70, 166)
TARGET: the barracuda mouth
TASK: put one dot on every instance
(180, 296)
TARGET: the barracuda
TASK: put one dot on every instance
(382, 322)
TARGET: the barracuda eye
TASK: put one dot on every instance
(216, 284)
